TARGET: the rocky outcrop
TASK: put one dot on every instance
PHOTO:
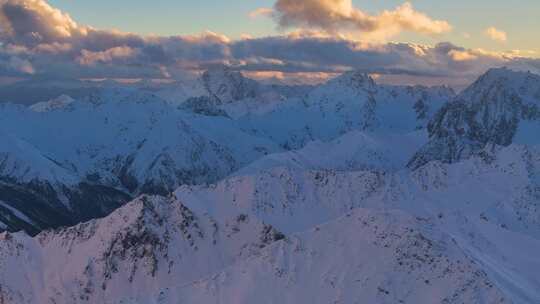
(489, 112)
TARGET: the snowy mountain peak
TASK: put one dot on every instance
(135, 224)
(506, 73)
(221, 71)
(61, 102)
(355, 80)
(501, 107)
(504, 82)
(498, 72)
(149, 244)
(271, 191)
(227, 85)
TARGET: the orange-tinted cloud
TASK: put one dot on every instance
(340, 16)
(496, 34)
(37, 40)
(107, 56)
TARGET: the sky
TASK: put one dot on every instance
(420, 41)
(520, 19)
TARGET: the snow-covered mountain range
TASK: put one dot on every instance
(74, 160)
(226, 190)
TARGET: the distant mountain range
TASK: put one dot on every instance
(226, 190)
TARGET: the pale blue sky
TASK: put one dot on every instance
(519, 18)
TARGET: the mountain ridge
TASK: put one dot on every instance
(131, 141)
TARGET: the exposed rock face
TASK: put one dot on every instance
(36, 205)
(408, 255)
(149, 244)
(157, 249)
(124, 141)
(273, 199)
(489, 112)
(227, 86)
(85, 159)
(203, 105)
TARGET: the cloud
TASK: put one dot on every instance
(53, 44)
(37, 40)
(299, 78)
(457, 55)
(495, 34)
(442, 63)
(16, 65)
(263, 11)
(340, 16)
(107, 56)
(35, 21)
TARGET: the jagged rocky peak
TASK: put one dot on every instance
(141, 214)
(203, 105)
(506, 74)
(355, 80)
(499, 99)
(490, 111)
(228, 85)
(353, 87)
(503, 85)
(150, 243)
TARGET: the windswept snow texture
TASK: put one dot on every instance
(226, 190)
(68, 160)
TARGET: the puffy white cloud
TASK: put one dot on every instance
(107, 56)
(263, 11)
(13, 66)
(496, 34)
(298, 78)
(340, 16)
(35, 21)
(21, 65)
(54, 48)
(457, 55)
